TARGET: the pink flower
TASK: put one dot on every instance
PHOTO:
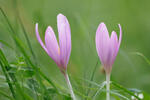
(60, 53)
(107, 47)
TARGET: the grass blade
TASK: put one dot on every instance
(5, 95)
(22, 50)
(119, 95)
(125, 90)
(23, 28)
(92, 77)
(144, 57)
(99, 90)
(8, 80)
(4, 63)
(6, 44)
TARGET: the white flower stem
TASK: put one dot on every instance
(70, 86)
(108, 86)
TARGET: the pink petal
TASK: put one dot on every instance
(52, 45)
(39, 39)
(64, 39)
(115, 44)
(120, 37)
(102, 43)
(113, 47)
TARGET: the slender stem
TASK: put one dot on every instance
(69, 85)
(108, 86)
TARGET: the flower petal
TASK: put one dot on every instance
(64, 39)
(39, 39)
(113, 47)
(102, 43)
(120, 37)
(52, 45)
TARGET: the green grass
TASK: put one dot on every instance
(29, 73)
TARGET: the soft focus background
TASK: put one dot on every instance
(129, 69)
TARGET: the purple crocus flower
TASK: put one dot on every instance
(60, 53)
(107, 47)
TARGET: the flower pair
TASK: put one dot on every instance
(107, 47)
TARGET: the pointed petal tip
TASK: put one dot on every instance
(114, 36)
(102, 27)
(49, 28)
(119, 25)
(60, 16)
(49, 31)
(36, 28)
(36, 24)
(120, 37)
(113, 33)
(120, 29)
(39, 38)
(61, 20)
(102, 24)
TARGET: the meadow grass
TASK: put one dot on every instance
(26, 79)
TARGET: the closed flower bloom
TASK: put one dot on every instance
(107, 47)
(60, 53)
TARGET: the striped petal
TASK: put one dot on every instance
(113, 47)
(64, 39)
(102, 43)
(115, 44)
(52, 45)
(107, 47)
(39, 39)
(120, 37)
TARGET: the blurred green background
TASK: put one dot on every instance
(129, 69)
